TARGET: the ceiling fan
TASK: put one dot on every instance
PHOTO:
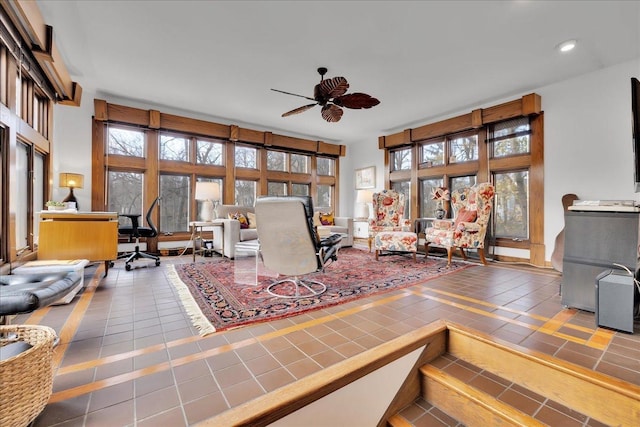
(331, 95)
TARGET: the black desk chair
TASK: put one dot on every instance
(135, 231)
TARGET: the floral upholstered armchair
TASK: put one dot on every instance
(388, 214)
(472, 208)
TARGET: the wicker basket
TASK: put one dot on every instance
(26, 379)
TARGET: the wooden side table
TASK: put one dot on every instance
(197, 228)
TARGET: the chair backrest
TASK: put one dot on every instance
(388, 208)
(149, 218)
(309, 211)
(478, 198)
(286, 242)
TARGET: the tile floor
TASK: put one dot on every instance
(130, 357)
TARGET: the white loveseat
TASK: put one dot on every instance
(233, 233)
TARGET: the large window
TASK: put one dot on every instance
(404, 187)
(276, 188)
(124, 193)
(245, 192)
(325, 198)
(428, 206)
(175, 203)
(300, 190)
(144, 162)
(511, 210)
(506, 150)
(22, 197)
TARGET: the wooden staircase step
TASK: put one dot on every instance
(468, 404)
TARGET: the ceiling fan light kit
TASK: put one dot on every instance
(331, 95)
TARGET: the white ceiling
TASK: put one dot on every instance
(422, 59)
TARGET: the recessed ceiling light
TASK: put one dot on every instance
(567, 46)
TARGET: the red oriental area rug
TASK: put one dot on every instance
(217, 303)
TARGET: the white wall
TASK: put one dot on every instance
(72, 148)
(588, 144)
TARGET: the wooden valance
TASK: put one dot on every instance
(525, 106)
(153, 119)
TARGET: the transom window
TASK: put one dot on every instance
(126, 142)
(511, 137)
(326, 166)
(277, 161)
(174, 148)
(432, 154)
(300, 163)
(463, 148)
(209, 152)
(246, 157)
(401, 159)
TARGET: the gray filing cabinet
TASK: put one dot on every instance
(593, 242)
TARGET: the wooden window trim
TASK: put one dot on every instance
(528, 105)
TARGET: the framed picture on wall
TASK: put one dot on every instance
(366, 178)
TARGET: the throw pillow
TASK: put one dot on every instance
(326, 218)
(251, 217)
(244, 223)
(465, 215)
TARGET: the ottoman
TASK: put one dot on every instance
(57, 266)
(396, 241)
(24, 293)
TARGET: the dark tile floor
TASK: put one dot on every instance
(129, 355)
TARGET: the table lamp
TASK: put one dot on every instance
(207, 192)
(363, 198)
(71, 181)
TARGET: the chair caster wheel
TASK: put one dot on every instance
(157, 263)
(127, 267)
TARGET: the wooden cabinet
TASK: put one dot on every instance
(82, 235)
(595, 242)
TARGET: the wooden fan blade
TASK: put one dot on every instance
(332, 113)
(330, 88)
(298, 110)
(356, 100)
(294, 94)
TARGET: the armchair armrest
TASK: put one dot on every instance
(469, 227)
(231, 236)
(345, 222)
(442, 224)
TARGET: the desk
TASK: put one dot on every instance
(196, 232)
(81, 235)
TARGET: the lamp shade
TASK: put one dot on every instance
(207, 190)
(71, 180)
(364, 196)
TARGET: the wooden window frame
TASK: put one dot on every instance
(478, 120)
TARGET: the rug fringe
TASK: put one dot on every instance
(199, 320)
